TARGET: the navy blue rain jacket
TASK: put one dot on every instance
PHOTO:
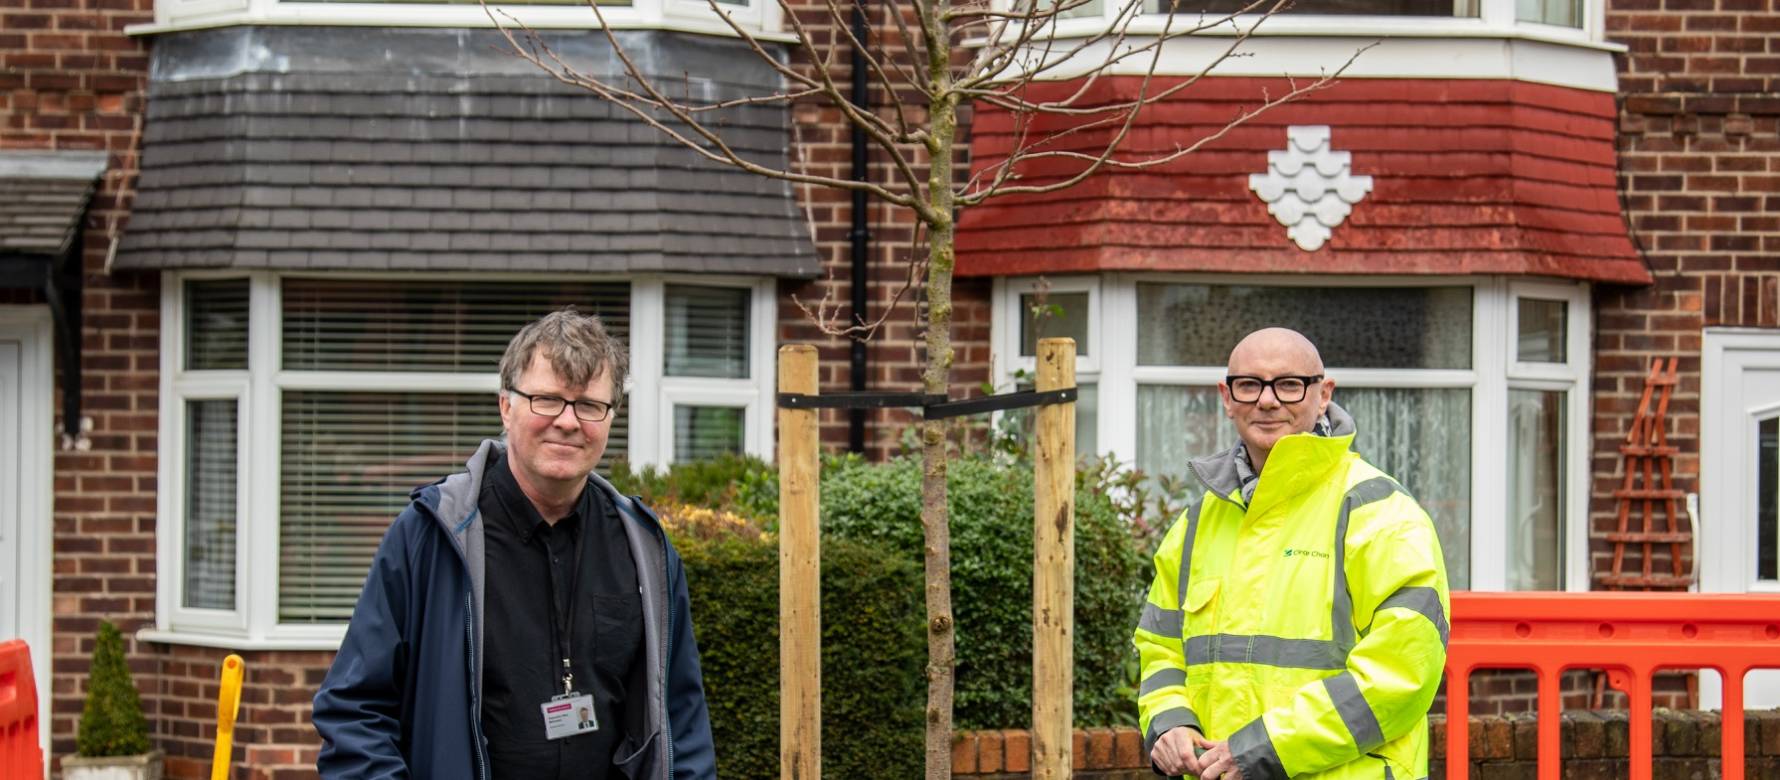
(403, 697)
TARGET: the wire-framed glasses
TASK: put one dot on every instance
(551, 406)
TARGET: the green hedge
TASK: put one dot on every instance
(872, 654)
(991, 518)
(878, 505)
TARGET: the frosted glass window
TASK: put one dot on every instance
(1057, 315)
(1196, 8)
(1420, 436)
(706, 432)
(1087, 415)
(1541, 331)
(1353, 327)
(210, 441)
(216, 325)
(1535, 490)
(707, 331)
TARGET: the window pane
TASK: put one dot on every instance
(1057, 315)
(1353, 327)
(1564, 13)
(1541, 331)
(707, 331)
(1458, 8)
(216, 325)
(1087, 418)
(455, 326)
(1767, 498)
(1535, 490)
(210, 440)
(350, 460)
(1177, 424)
(1423, 438)
(705, 432)
(603, 3)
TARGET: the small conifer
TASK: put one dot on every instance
(112, 723)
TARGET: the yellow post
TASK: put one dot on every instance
(228, 701)
(1053, 568)
(800, 578)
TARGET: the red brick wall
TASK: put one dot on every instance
(896, 353)
(70, 80)
(1700, 178)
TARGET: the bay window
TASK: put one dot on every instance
(1429, 369)
(299, 412)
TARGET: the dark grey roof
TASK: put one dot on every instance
(424, 149)
(42, 196)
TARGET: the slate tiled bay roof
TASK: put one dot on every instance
(42, 197)
(1468, 177)
(405, 149)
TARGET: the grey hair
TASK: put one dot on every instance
(577, 345)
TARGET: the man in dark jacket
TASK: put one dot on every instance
(524, 619)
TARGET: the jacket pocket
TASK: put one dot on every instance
(631, 759)
(1201, 606)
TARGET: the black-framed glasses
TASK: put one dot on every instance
(551, 406)
(1288, 389)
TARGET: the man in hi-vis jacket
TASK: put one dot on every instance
(1297, 624)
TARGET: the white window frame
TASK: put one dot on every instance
(253, 623)
(1113, 309)
(761, 17)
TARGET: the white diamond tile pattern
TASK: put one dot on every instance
(1309, 187)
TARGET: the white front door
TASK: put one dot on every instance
(26, 451)
(1739, 544)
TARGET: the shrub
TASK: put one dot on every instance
(872, 650)
(112, 723)
(878, 505)
(991, 519)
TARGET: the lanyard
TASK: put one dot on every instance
(563, 619)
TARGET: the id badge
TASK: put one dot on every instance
(568, 714)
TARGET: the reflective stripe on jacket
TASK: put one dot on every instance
(1308, 628)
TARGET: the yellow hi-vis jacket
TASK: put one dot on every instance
(1308, 627)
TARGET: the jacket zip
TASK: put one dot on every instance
(475, 695)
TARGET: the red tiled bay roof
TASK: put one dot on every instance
(1468, 177)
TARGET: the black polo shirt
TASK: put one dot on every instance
(530, 563)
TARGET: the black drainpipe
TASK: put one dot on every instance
(860, 236)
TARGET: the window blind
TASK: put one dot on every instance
(449, 326)
(707, 331)
(210, 440)
(216, 325)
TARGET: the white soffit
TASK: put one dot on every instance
(1577, 65)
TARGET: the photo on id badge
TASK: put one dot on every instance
(568, 714)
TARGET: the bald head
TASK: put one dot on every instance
(1260, 359)
(1271, 345)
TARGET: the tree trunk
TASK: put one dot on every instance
(934, 516)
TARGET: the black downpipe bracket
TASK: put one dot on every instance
(859, 237)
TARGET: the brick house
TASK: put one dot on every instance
(305, 218)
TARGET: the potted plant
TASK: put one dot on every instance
(113, 740)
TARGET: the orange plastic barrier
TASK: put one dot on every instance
(20, 754)
(1631, 635)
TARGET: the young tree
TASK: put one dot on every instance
(945, 54)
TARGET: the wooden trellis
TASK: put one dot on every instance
(1649, 485)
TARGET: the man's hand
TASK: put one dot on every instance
(1216, 763)
(1174, 753)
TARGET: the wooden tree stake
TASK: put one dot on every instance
(800, 574)
(1053, 568)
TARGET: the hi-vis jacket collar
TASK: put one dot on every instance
(1220, 475)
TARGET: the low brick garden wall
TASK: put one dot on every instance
(1685, 746)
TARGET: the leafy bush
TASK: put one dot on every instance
(878, 505)
(112, 723)
(742, 484)
(872, 652)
